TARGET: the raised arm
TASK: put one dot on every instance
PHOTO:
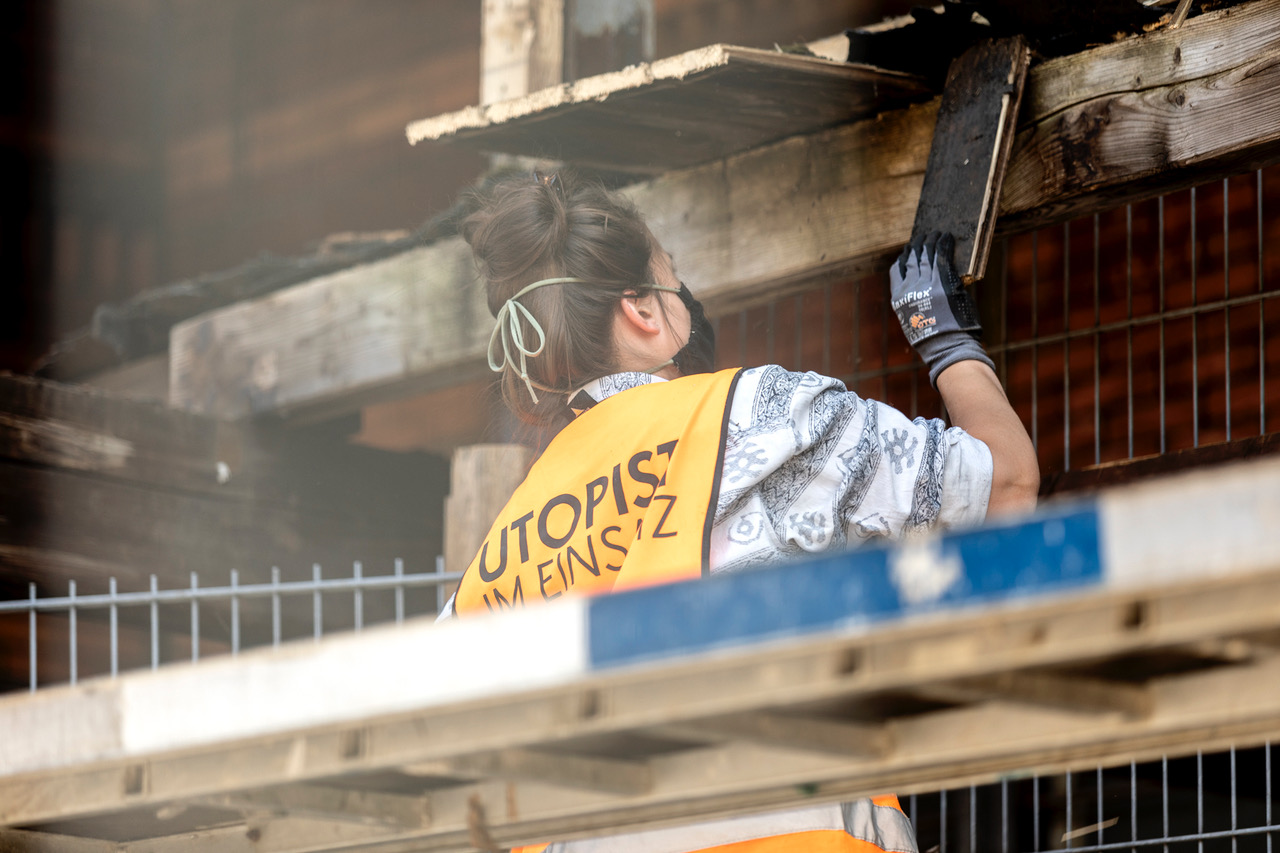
(940, 320)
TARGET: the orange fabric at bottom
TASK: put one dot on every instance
(810, 841)
(889, 801)
(817, 841)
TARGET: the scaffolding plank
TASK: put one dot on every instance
(1189, 560)
(703, 105)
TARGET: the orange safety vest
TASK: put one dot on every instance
(623, 497)
(876, 825)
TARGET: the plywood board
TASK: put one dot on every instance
(971, 145)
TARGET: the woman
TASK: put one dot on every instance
(662, 469)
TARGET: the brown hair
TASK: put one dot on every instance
(532, 227)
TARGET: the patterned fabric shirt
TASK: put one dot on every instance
(809, 466)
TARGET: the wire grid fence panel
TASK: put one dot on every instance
(1137, 331)
(76, 636)
(1202, 803)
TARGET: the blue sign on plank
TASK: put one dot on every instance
(1057, 551)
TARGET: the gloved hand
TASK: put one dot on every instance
(936, 312)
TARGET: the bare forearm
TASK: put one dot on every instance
(977, 404)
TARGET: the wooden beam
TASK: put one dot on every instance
(1119, 122)
(1147, 115)
(482, 479)
(91, 485)
(419, 315)
(521, 47)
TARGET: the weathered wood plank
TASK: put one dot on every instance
(482, 478)
(652, 117)
(971, 143)
(1211, 44)
(62, 426)
(1138, 143)
(76, 429)
(521, 47)
(417, 314)
(92, 486)
(768, 221)
(58, 525)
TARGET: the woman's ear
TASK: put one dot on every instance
(640, 313)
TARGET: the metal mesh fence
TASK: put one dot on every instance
(1202, 803)
(75, 636)
(1137, 331)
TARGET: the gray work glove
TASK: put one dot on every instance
(936, 312)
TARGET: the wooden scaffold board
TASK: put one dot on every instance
(1024, 647)
(698, 106)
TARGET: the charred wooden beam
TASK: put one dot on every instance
(1129, 470)
(970, 152)
(93, 487)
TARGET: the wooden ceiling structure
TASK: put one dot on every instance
(1118, 122)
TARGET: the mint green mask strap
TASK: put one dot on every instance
(510, 328)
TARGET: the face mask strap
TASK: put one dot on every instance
(508, 333)
(510, 328)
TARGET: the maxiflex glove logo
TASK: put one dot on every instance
(919, 321)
